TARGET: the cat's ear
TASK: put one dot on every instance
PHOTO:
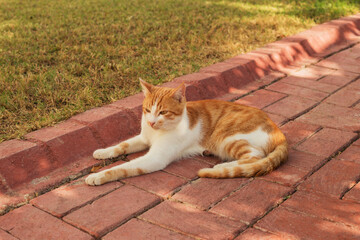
(179, 93)
(146, 87)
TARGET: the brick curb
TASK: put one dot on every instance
(53, 155)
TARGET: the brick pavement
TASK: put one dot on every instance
(315, 195)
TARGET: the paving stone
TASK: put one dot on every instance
(111, 125)
(255, 234)
(108, 212)
(296, 131)
(343, 61)
(67, 137)
(311, 84)
(334, 178)
(293, 225)
(132, 103)
(291, 106)
(326, 142)
(28, 222)
(260, 98)
(187, 167)
(325, 207)
(277, 119)
(286, 175)
(297, 91)
(138, 229)
(22, 161)
(353, 194)
(205, 192)
(311, 72)
(252, 201)
(352, 153)
(62, 200)
(339, 78)
(160, 183)
(333, 116)
(212, 160)
(344, 97)
(5, 236)
(191, 221)
(305, 161)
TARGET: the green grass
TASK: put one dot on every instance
(59, 58)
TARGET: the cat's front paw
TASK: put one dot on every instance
(96, 179)
(104, 153)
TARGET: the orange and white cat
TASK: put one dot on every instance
(244, 137)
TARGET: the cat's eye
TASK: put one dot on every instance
(147, 110)
(163, 112)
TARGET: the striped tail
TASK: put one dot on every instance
(256, 168)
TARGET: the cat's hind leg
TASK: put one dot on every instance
(131, 145)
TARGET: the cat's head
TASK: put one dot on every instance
(163, 107)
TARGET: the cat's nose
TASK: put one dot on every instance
(151, 124)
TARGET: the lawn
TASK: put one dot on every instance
(59, 58)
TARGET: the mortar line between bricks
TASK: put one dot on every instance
(318, 103)
(169, 228)
(257, 219)
(10, 233)
(338, 51)
(93, 132)
(64, 221)
(230, 194)
(354, 104)
(259, 88)
(316, 216)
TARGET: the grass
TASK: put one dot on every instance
(59, 58)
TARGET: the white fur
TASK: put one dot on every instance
(258, 140)
(165, 145)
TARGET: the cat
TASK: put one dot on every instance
(244, 137)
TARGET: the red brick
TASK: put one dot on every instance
(132, 103)
(352, 153)
(212, 160)
(5, 236)
(277, 119)
(353, 194)
(205, 192)
(325, 207)
(305, 161)
(187, 167)
(29, 222)
(256, 64)
(326, 142)
(64, 199)
(190, 221)
(311, 84)
(22, 161)
(252, 201)
(339, 78)
(68, 141)
(111, 125)
(137, 229)
(342, 61)
(290, 106)
(255, 234)
(260, 98)
(108, 212)
(296, 132)
(310, 73)
(333, 116)
(201, 85)
(293, 225)
(232, 75)
(298, 91)
(344, 97)
(286, 175)
(159, 182)
(335, 178)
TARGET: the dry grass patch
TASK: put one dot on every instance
(59, 58)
